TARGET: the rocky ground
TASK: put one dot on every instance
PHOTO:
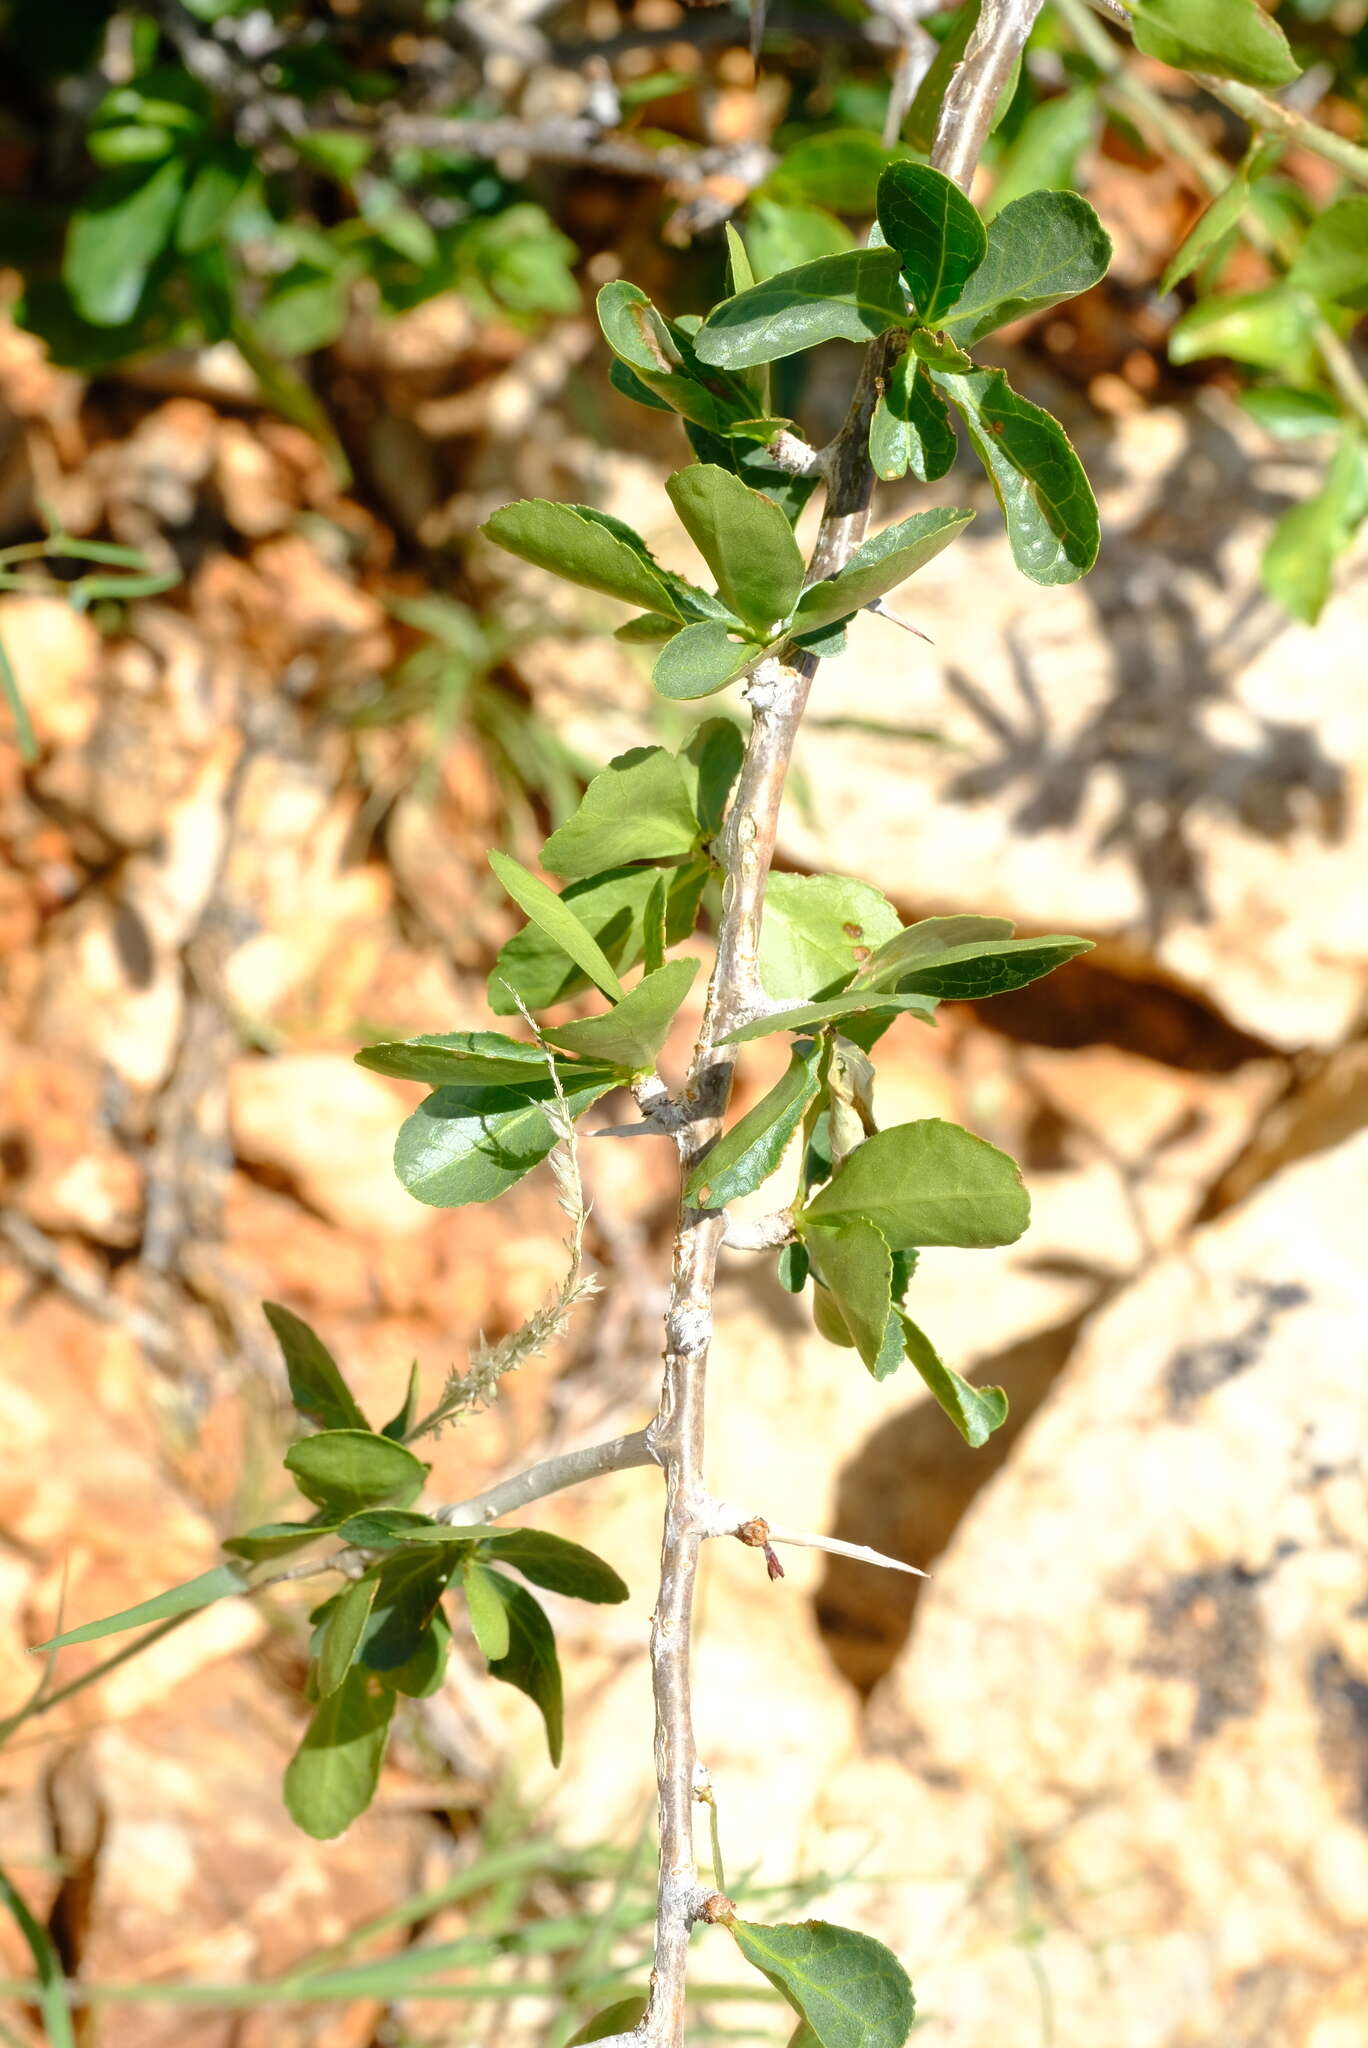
(1105, 1780)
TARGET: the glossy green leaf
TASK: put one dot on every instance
(531, 1663)
(710, 764)
(701, 660)
(625, 379)
(854, 1262)
(278, 1539)
(793, 1266)
(837, 168)
(332, 1776)
(408, 1589)
(304, 310)
(986, 967)
(557, 1564)
(350, 1469)
(1271, 328)
(740, 276)
(488, 1614)
(342, 1633)
(116, 237)
(317, 1388)
(1207, 231)
(470, 1144)
(660, 357)
(611, 906)
(879, 564)
(936, 232)
(817, 930)
(783, 237)
(745, 540)
(836, 1010)
(911, 427)
(848, 1988)
(619, 2018)
(458, 1059)
(646, 629)
(630, 1036)
(1332, 263)
(1039, 482)
(637, 808)
(219, 1584)
(746, 1155)
(975, 1411)
(567, 540)
(1044, 248)
(217, 186)
(916, 943)
(927, 1183)
(1299, 561)
(557, 919)
(1229, 38)
(130, 143)
(850, 297)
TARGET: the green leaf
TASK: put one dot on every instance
(1332, 263)
(926, 940)
(1042, 249)
(659, 356)
(750, 1151)
(1044, 152)
(220, 1584)
(317, 1388)
(637, 808)
(936, 232)
(488, 1614)
(342, 1632)
(911, 426)
(530, 1662)
(855, 1263)
(856, 1002)
(927, 1183)
(1298, 563)
(710, 764)
(332, 1776)
(338, 151)
(470, 1144)
(408, 1590)
(51, 1987)
(975, 1411)
(879, 564)
(614, 2019)
(570, 542)
(1039, 482)
(130, 143)
(349, 1469)
(782, 237)
(631, 1035)
(215, 190)
(817, 930)
(838, 168)
(402, 1528)
(745, 540)
(847, 1987)
(421, 1675)
(740, 276)
(1289, 414)
(1229, 38)
(701, 660)
(116, 237)
(557, 920)
(277, 1539)
(1206, 232)
(850, 297)
(793, 1266)
(613, 907)
(305, 309)
(459, 1059)
(645, 629)
(803, 2037)
(1270, 328)
(987, 967)
(557, 1564)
